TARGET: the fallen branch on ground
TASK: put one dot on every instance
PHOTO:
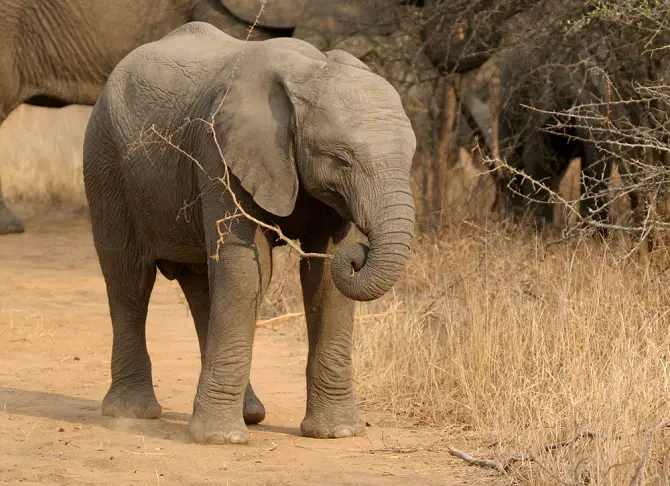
(503, 467)
(488, 463)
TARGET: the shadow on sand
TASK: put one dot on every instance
(76, 410)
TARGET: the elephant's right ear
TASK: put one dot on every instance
(255, 126)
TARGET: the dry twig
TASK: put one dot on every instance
(278, 319)
(638, 474)
(503, 467)
(488, 463)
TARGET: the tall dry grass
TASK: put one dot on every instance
(528, 345)
(41, 156)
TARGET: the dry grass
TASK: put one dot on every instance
(41, 156)
(489, 332)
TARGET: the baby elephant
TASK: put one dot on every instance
(315, 144)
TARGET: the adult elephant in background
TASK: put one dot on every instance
(316, 144)
(60, 52)
(542, 144)
(461, 35)
(508, 62)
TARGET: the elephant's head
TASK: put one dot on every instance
(329, 124)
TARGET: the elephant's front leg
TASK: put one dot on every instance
(196, 289)
(331, 411)
(237, 282)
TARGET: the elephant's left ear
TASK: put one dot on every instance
(255, 126)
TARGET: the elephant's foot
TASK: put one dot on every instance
(131, 403)
(206, 430)
(254, 411)
(9, 222)
(333, 425)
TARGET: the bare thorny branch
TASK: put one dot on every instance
(223, 225)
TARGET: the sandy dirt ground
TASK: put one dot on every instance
(55, 344)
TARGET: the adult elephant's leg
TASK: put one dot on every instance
(129, 287)
(539, 161)
(9, 222)
(196, 290)
(595, 174)
(331, 411)
(238, 279)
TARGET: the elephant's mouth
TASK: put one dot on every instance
(337, 202)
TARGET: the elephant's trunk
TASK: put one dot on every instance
(363, 273)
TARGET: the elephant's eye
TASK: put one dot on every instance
(340, 154)
(343, 159)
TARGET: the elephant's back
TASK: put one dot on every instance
(166, 81)
(196, 44)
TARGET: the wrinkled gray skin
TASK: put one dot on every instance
(60, 52)
(322, 22)
(314, 142)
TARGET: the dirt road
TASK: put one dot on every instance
(55, 342)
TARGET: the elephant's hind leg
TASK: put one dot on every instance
(253, 410)
(129, 287)
(129, 272)
(131, 393)
(196, 290)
